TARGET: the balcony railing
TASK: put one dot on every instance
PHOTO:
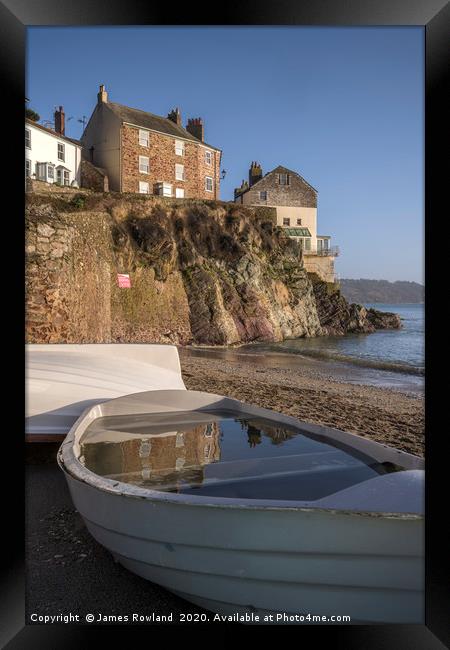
(332, 251)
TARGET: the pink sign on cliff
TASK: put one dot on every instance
(123, 280)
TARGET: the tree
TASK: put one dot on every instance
(32, 115)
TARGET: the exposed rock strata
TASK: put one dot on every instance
(201, 272)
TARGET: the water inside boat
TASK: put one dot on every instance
(222, 454)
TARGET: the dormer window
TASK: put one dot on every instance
(283, 179)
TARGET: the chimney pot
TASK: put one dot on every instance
(254, 173)
(102, 95)
(196, 128)
(175, 116)
(60, 121)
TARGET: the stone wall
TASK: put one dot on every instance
(94, 178)
(68, 277)
(162, 159)
(323, 266)
(33, 186)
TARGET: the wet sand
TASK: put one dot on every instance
(313, 392)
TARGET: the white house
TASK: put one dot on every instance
(50, 155)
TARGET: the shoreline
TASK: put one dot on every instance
(312, 391)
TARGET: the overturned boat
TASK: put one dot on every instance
(242, 510)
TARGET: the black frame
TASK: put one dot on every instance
(434, 16)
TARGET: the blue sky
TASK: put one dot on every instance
(342, 106)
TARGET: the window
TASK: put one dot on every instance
(27, 167)
(179, 172)
(283, 179)
(51, 172)
(286, 221)
(307, 243)
(299, 222)
(41, 171)
(61, 151)
(208, 184)
(179, 193)
(143, 187)
(208, 157)
(66, 177)
(179, 147)
(143, 138)
(165, 189)
(28, 138)
(144, 165)
(263, 196)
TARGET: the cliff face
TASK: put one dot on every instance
(338, 317)
(241, 278)
(201, 272)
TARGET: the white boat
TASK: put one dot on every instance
(356, 551)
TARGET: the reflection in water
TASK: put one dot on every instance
(225, 456)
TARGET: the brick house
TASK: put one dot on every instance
(146, 153)
(295, 201)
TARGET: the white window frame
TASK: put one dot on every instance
(167, 189)
(144, 165)
(27, 168)
(142, 189)
(144, 137)
(179, 192)
(28, 138)
(51, 177)
(179, 172)
(61, 151)
(261, 198)
(209, 178)
(208, 157)
(285, 176)
(179, 148)
(66, 177)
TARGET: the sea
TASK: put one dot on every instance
(387, 358)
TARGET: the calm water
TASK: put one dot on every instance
(395, 350)
(221, 455)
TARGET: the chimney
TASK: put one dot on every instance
(196, 128)
(102, 95)
(60, 121)
(175, 116)
(254, 173)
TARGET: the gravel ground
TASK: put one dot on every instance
(67, 571)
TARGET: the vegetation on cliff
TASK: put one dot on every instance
(201, 272)
(383, 291)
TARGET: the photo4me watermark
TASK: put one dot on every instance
(152, 617)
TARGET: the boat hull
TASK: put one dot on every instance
(231, 559)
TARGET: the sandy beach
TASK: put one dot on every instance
(308, 391)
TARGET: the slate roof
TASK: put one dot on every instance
(152, 122)
(279, 170)
(52, 132)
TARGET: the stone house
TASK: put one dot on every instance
(51, 156)
(146, 153)
(295, 201)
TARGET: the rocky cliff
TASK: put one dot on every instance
(338, 317)
(201, 272)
